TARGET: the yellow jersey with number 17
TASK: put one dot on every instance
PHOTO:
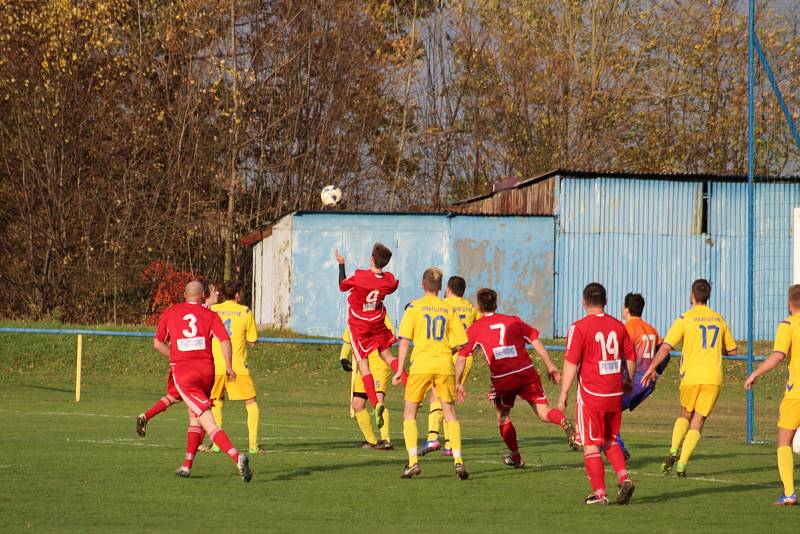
(464, 310)
(787, 341)
(435, 329)
(240, 323)
(704, 334)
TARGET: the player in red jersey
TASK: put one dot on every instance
(211, 291)
(365, 318)
(502, 339)
(597, 345)
(184, 336)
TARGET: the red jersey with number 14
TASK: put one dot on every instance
(502, 339)
(365, 299)
(188, 327)
(599, 345)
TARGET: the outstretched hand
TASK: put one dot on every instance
(649, 376)
(750, 381)
(339, 257)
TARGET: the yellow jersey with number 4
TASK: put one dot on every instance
(787, 341)
(240, 323)
(705, 335)
(435, 329)
(464, 310)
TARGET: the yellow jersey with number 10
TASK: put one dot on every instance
(704, 334)
(435, 329)
(240, 323)
(787, 341)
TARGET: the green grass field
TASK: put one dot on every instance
(80, 467)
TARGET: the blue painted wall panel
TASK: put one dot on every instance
(512, 255)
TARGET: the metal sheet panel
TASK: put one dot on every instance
(626, 206)
(318, 308)
(271, 280)
(661, 268)
(512, 255)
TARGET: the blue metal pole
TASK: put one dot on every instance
(776, 88)
(751, 33)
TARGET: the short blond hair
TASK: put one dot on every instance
(432, 279)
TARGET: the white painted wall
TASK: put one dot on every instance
(272, 267)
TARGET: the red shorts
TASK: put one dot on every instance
(194, 383)
(365, 341)
(525, 385)
(593, 427)
(172, 391)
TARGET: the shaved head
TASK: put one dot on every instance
(194, 291)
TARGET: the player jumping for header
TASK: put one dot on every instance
(597, 347)
(366, 315)
(502, 339)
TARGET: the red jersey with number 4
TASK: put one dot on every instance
(599, 345)
(188, 327)
(365, 299)
(502, 339)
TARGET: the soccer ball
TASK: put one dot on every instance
(331, 195)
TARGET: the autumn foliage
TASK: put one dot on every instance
(165, 285)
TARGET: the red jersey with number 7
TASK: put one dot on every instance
(365, 298)
(189, 327)
(502, 339)
(599, 345)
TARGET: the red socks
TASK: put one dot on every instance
(617, 460)
(509, 434)
(555, 416)
(194, 437)
(221, 440)
(595, 471)
(404, 376)
(369, 388)
(162, 404)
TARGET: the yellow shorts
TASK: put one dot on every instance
(240, 389)
(418, 385)
(467, 368)
(789, 417)
(699, 398)
(381, 374)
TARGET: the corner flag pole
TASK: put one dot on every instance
(78, 369)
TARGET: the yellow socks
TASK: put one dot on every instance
(454, 435)
(216, 411)
(434, 420)
(410, 435)
(385, 434)
(365, 424)
(786, 469)
(689, 444)
(253, 415)
(678, 432)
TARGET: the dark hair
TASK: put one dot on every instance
(594, 294)
(457, 285)
(635, 304)
(794, 295)
(487, 300)
(230, 288)
(381, 255)
(432, 279)
(208, 284)
(701, 290)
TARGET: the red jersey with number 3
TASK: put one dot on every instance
(189, 327)
(599, 345)
(365, 299)
(502, 339)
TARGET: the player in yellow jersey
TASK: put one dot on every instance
(436, 332)
(241, 325)
(706, 338)
(466, 312)
(382, 374)
(787, 345)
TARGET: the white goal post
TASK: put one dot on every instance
(796, 246)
